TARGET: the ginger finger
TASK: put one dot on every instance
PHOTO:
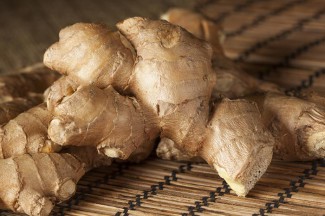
(196, 24)
(103, 61)
(297, 125)
(65, 87)
(33, 183)
(27, 133)
(113, 123)
(232, 82)
(241, 155)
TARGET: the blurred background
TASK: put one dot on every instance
(29, 27)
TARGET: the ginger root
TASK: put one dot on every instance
(167, 93)
(297, 125)
(33, 183)
(115, 125)
(27, 133)
(231, 81)
(102, 62)
(123, 90)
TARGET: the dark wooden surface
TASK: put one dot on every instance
(28, 27)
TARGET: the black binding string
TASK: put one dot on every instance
(81, 194)
(262, 18)
(294, 186)
(285, 62)
(205, 200)
(225, 14)
(305, 83)
(132, 204)
(282, 35)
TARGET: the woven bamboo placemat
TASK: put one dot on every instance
(278, 40)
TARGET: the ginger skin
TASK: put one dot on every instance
(33, 183)
(115, 121)
(153, 99)
(297, 125)
(232, 82)
(27, 133)
(102, 62)
(313, 97)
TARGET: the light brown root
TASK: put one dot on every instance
(297, 125)
(33, 184)
(105, 119)
(66, 189)
(27, 133)
(232, 82)
(237, 144)
(102, 62)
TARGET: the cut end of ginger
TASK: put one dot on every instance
(244, 181)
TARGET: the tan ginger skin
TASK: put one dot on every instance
(167, 94)
(33, 183)
(297, 125)
(27, 133)
(231, 82)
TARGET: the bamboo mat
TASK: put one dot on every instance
(277, 40)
